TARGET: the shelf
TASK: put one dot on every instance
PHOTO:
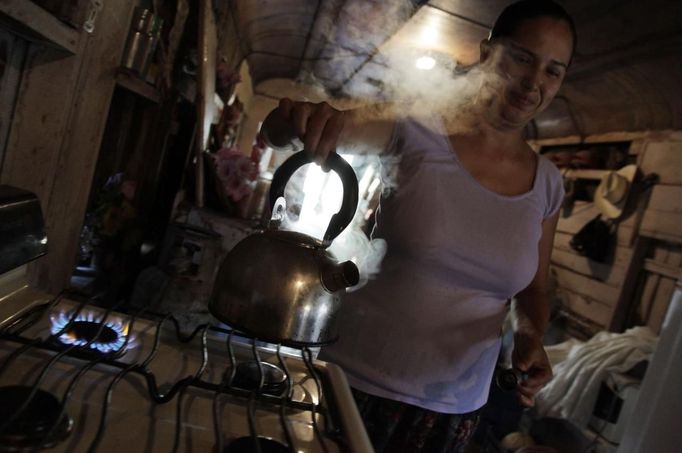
(133, 83)
(667, 270)
(585, 174)
(35, 24)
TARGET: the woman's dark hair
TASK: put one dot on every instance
(512, 16)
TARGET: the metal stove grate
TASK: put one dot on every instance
(90, 358)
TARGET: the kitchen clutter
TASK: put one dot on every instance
(580, 368)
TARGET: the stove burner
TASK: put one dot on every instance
(247, 445)
(84, 329)
(29, 429)
(88, 332)
(248, 377)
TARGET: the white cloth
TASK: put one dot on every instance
(573, 391)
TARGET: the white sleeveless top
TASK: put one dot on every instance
(426, 331)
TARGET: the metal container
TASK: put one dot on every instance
(284, 286)
(142, 39)
(22, 230)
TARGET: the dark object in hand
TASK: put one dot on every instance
(508, 379)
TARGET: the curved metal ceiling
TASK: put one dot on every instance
(625, 75)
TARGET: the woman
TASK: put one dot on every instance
(469, 227)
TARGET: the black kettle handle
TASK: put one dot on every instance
(341, 219)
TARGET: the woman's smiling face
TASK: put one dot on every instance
(530, 64)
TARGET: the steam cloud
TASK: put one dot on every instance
(393, 82)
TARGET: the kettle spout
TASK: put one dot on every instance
(340, 276)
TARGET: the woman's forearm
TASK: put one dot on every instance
(530, 312)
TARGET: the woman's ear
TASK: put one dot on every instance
(486, 50)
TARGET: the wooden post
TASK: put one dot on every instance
(207, 43)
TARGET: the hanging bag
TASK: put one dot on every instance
(594, 240)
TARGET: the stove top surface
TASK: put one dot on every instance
(83, 378)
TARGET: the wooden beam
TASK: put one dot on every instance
(666, 226)
(663, 269)
(207, 42)
(646, 300)
(131, 82)
(589, 288)
(15, 50)
(585, 174)
(626, 303)
(666, 198)
(590, 309)
(621, 258)
(36, 24)
(75, 167)
(584, 211)
(611, 275)
(608, 137)
(664, 159)
(660, 303)
(39, 122)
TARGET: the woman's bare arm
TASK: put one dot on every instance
(530, 316)
(320, 128)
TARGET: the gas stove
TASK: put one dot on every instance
(79, 377)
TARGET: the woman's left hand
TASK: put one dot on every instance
(530, 358)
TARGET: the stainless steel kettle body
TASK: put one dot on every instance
(284, 286)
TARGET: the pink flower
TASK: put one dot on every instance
(235, 173)
(236, 188)
(223, 169)
(226, 153)
(247, 169)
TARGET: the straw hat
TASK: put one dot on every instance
(613, 191)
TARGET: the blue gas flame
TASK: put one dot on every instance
(61, 319)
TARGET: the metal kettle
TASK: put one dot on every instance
(285, 286)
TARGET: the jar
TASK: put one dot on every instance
(142, 39)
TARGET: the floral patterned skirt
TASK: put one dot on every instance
(398, 427)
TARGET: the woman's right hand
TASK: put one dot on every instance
(318, 126)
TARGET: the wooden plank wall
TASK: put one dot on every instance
(662, 220)
(12, 54)
(636, 285)
(657, 284)
(590, 289)
(54, 141)
(663, 217)
(75, 168)
(39, 120)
